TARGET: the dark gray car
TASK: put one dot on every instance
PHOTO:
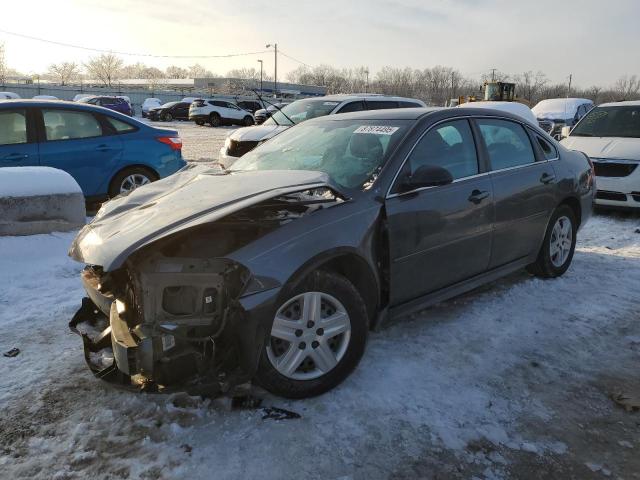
(277, 270)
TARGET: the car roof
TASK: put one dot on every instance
(627, 103)
(58, 103)
(343, 97)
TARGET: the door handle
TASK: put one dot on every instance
(477, 196)
(547, 178)
(104, 148)
(16, 157)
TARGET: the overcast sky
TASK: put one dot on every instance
(597, 41)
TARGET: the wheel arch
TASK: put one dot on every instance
(574, 204)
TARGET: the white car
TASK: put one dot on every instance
(149, 104)
(244, 140)
(45, 97)
(79, 97)
(515, 108)
(610, 135)
(9, 96)
(554, 114)
(218, 112)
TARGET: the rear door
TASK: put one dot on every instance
(235, 112)
(439, 236)
(18, 143)
(74, 141)
(523, 186)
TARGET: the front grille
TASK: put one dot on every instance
(238, 149)
(616, 196)
(613, 169)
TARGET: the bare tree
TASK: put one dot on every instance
(176, 72)
(106, 68)
(3, 65)
(198, 71)
(627, 87)
(529, 84)
(64, 72)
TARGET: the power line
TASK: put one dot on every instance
(131, 54)
(295, 59)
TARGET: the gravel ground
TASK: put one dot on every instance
(509, 381)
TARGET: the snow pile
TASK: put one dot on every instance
(558, 108)
(514, 108)
(34, 181)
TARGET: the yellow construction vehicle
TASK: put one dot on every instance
(495, 92)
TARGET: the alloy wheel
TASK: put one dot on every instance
(310, 336)
(560, 241)
(133, 181)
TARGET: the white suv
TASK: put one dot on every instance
(244, 140)
(219, 112)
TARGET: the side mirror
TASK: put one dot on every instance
(564, 133)
(426, 176)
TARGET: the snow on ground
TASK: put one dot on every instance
(509, 381)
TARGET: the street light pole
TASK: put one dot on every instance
(366, 87)
(275, 67)
(260, 76)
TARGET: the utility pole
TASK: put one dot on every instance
(569, 90)
(493, 74)
(366, 87)
(260, 76)
(275, 68)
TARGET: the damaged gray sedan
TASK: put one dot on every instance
(275, 271)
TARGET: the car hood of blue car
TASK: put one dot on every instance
(194, 196)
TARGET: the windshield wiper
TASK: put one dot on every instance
(275, 106)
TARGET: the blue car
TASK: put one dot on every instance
(108, 153)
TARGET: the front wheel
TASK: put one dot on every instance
(558, 246)
(317, 338)
(168, 117)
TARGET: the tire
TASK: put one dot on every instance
(553, 261)
(200, 122)
(215, 120)
(168, 117)
(310, 341)
(248, 121)
(117, 183)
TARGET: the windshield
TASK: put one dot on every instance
(169, 104)
(301, 110)
(351, 152)
(610, 122)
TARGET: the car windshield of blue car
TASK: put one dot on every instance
(351, 152)
(623, 121)
(302, 110)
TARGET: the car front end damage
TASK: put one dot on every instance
(179, 313)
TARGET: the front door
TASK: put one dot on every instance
(73, 141)
(440, 235)
(18, 146)
(523, 186)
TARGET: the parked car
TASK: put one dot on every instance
(9, 96)
(244, 140)
(555, 113)
(249, 105)
(170, 111)
(112, 103)
(218, 112)
(80, 96)
(335, 225)
(106, 152)
(262, 114)
(148, 104)
(610, 135)
(516, 108)
(45, 97)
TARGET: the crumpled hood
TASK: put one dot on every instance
(194, 196)
(257, 133)
(605, 147)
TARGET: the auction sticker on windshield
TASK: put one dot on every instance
(377, 130)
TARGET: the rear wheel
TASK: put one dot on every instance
(248, 121)
(129, 179)
(317, 338)
(215, 120)
(558, 246)
(168, 117)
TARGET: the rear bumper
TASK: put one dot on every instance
(198, 117)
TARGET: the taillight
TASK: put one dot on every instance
(174, 142)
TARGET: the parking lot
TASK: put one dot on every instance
(512, 380)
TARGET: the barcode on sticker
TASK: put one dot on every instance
(377, 130)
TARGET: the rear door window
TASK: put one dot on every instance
(119, 126)
(68, 124)
(352, 107)
(13, 127)
(381, 105)
(409, 105)
(507, 143)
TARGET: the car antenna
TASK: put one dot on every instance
(273, 105)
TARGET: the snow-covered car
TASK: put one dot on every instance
(610, 135)
(9, 96)
(81, 96)
(556, 113)
(262, 114)
(276, 270)
(244, 140)
(148, 104)
(45, 97)
(512, 107)
(218, 112)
